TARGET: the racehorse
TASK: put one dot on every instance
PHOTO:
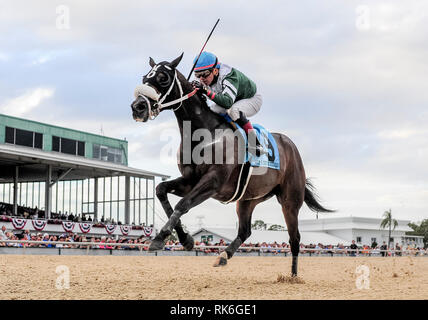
(165, 88)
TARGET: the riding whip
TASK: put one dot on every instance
(194, 65)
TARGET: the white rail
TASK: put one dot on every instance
(88, 245)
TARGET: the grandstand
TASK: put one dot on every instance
(57, 171)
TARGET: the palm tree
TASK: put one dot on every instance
(259, 225)
(276, 227)
(388, 222)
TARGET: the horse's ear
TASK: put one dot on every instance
(175, 63)
(152, 62)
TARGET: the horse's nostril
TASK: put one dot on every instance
(134, 105)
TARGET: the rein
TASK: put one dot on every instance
(146, 90)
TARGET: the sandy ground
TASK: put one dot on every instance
(159, 278)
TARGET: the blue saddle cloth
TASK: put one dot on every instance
(269, 160)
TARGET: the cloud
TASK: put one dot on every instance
(3, 57)
(401, 133)
(24, 104)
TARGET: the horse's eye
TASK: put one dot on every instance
(163, 79)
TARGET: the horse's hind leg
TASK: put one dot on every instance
(178, 187)
(290, 210)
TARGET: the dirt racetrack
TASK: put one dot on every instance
(166, 277)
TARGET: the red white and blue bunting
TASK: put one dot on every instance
(68, 226)
(147, 231)
(39, 225)
(125, 230)
(85, 227)
(19, 223)
(110, 228)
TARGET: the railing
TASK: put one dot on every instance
(261, 250)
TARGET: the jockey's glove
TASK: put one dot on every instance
(201, 87)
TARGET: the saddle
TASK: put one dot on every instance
(269, 159)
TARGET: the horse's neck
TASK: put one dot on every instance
(195, 112)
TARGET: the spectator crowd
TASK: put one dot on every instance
(312, 249)
(73, 240)
(77, 241)
(6, 210)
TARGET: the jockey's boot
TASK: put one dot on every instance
(257, 149)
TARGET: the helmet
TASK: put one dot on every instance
(206, 61)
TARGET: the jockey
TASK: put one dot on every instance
(231, 91)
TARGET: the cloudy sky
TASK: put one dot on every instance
(345, 80)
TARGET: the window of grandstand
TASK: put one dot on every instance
(24, 138)
(107, 153)
(68, 146)
(358, 239)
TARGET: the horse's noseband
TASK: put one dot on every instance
(146, 91)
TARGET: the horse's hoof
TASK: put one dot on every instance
(221, 260)
(156, 245)
(188, 243)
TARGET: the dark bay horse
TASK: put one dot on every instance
(163, 88)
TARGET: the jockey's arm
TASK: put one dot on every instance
(223, 99)
(227, 97)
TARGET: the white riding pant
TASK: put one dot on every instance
(248, 106)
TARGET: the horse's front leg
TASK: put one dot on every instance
(203, 190)
(179, 187)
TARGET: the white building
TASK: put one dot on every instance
(326, 231)
(363, 230)
(213, 235)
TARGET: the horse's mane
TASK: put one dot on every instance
(187, 87)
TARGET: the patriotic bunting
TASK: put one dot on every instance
(68, 226)
(110, 228)
(148, 231)
(39, 225)
(19, 223)
(85, 227)
(125, 230)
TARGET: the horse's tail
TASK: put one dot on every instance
(311, 198)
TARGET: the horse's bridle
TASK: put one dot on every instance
(147, 91)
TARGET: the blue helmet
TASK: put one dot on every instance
(206, 61)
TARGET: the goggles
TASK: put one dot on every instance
(203, 74)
